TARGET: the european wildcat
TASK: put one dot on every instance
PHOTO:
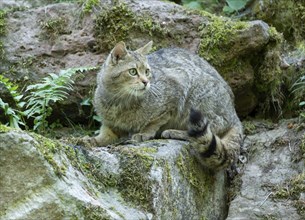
(169, 89)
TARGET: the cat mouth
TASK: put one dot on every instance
(144, 88)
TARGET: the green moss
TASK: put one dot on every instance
(286, 16)
(192, 171)
(88, 5)
(89, 167)
(2, 22)
(4, 129)
(302, 147)
(53, 27)
(267, 217)
(91, 212)
(119, 22)
(219, 44)
(292, 190)
(269, 76)
(135, 184)
(275, 36)
(217, 38)
(168, 174)
(2, 31)
(117, 212)
(49, 148)
(249, 127)
(235, 68)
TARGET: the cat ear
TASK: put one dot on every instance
(146, 49)
(118, 52)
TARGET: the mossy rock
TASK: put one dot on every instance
(285, 15)
(154, 179)
(122, 24)
(244, 53)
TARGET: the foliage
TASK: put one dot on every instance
(60, 1)
(213, 6)
(286, 16)
(2, 22)
(40, 98)
(234, 6)
(94, 117)
(292, 189)
(15, 115)
(193, 4)
(53, 27)
(299, 87)
(88, 5)
(52, 89)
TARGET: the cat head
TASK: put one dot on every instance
(127, 72)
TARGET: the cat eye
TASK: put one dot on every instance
(147, 72)
(133, 72)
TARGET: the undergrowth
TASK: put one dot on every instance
(14, 114)
(228, 7)
(38, 103)
(298, 89)
(291, 190)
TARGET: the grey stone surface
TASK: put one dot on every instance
(158, 179)
(274, 158)
(31, 53)
(173, 184)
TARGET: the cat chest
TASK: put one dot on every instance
(127, 120)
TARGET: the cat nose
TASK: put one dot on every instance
(145, 82)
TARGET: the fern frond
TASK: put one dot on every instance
(52, 89)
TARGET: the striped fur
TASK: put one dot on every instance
(158, 97)
(212, 151)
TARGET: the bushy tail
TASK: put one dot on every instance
(212, 151)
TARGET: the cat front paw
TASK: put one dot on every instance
(175, 134)
(140, 137)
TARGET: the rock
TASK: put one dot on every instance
(284, 15)
(13, 4)
(160, 179)
(272, 175)
(48, 38)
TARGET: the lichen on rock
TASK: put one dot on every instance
(272, 180)
(121, 23)
(130, 181)
(2, 31)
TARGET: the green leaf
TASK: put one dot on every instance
(97, 118)
(14, 123)
(21, 104)
(86, 102)
(194, 5)
(236, 5)
(227, 10)
(302, 103)
(53, 88)
(18, 98)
